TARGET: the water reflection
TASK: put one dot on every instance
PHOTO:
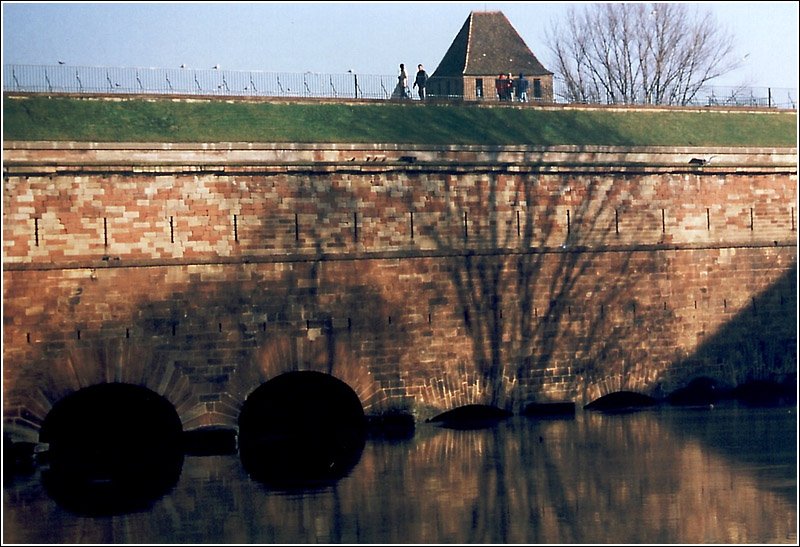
(129, 483)
(726, 475)
(309, 458)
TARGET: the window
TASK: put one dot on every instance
(537, 88)
(479, 87)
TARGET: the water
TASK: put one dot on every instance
(666, 475)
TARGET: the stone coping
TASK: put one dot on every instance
(70, 156)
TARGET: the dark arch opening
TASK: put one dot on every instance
(701, 391)
(113, 448)
(301, 430)
(621, 401)
(473, 416)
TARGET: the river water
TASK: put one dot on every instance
(726, 474)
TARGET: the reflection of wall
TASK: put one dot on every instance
(575, 486)
(596, 479)
(470, 275)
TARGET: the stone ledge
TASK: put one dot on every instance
(52, 156)
(377, 255)
(38, 169)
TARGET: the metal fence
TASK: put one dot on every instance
(183, 81)
(188, 81)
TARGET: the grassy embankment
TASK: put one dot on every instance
(165, 120)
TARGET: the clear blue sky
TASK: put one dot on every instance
(369, 38)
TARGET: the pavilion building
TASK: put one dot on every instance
(486, 46)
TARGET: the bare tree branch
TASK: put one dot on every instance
(639, 53)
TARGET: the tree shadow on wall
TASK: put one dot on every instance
(539, 284)
(540, 269)
(228, 337)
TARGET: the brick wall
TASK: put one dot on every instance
(423, 278)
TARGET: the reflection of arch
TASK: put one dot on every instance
(301, 428)
(112, 447)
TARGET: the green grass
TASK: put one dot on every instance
(165, 120)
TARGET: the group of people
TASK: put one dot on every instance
(420, 81)
(508, 88)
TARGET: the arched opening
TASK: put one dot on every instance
(301, 429)
(767, 393)
(700, 391)
(113, 448)
(621, 401)
(471, 417)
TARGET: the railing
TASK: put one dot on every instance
(183, 81)
(766, 97)
(188, 81)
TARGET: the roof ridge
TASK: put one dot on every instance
(487, 43)
(469, 40)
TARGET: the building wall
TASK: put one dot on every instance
(468, 87)
(483, 87)
(424, 278)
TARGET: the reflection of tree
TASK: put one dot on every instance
(595, 478)
(638, 478)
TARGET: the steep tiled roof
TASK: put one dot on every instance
(488, 44)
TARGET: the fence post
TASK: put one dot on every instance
(68, 79)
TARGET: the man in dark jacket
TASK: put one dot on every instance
(420, 81)
(522, 89)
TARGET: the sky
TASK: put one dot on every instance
(334, 37)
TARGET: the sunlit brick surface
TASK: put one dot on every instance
(425, 278)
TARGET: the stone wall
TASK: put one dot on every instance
(424, 277)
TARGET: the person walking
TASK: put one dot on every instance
(402, 82)
(420, 81)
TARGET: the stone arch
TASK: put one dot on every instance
(111, 413)
(40, 385)
(302, 395)
(464, 385)
(621, 400)
(472, 416)
(634, 383)
(284, 351)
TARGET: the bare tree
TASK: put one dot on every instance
(632, 53)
